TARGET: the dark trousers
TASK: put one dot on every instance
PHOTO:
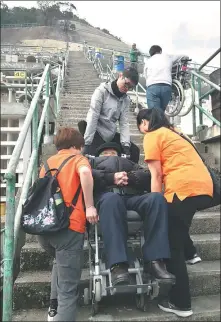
(112, 209)
(97, 141)
(134, 65)
(67, 249)
(180, 215)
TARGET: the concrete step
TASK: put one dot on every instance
(33, 257)
(205, 308)
(73, 74)
(77, 109)
(32, 289)
(76, 100)
(84, 110)
(72, 113)
(80, 89)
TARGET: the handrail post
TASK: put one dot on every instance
(34, 141)
(34, 132)
(46, 138)
(200, 102)
(9, 248)
(193, 110)
(137, 109)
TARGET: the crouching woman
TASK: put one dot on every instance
(173, 161)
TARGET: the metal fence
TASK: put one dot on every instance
(12, 216)
(24, 25)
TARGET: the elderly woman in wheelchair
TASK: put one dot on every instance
(127, 211)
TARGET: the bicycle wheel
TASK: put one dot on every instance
(176, 103)
(189, 98)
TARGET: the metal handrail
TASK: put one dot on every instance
(12, 218)
(217, 87)
(214, 87)
(201, 109)
(210, 58)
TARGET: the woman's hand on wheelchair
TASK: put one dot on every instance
(91, 215)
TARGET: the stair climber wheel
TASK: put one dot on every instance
(189, 97)
(177, 99)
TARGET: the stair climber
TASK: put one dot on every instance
(32, 287)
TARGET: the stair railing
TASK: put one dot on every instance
(214, 87)
(12, 216)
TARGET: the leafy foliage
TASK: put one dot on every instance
(47, 13)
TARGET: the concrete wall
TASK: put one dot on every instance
(211, 137)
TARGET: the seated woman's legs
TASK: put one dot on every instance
(152, 208)
(113, 222)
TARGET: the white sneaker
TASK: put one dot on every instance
(196, 259)
(51, 314)
(171, 308)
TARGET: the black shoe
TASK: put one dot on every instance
(166, 306)
(158, 270)
(52, 310)
(120, 274)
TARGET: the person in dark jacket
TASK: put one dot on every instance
(121, 185)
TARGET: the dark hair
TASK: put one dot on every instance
(132, 74)
(156, 118)
(155, 49)
(67, 138)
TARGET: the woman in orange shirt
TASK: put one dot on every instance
(188, 186)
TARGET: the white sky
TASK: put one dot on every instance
(179, 27)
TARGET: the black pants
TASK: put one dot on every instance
(180, 215)
(97, 141)
(112, 209)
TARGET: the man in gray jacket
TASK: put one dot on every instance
(109, 105)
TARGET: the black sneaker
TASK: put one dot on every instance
(120, 274)
(52, 310)
(166, 306)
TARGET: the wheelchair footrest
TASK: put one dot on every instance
(135, 286)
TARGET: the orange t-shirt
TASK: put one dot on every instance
(69, 181)
(184, 173)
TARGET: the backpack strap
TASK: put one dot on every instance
(76, 196)
(48, 170)
(46, 167)
(65, 161)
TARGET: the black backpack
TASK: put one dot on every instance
(45, 212)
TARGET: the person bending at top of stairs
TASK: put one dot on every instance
(109, 105)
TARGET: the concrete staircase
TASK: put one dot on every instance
(32, 287)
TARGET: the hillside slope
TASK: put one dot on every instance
(82, 33)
